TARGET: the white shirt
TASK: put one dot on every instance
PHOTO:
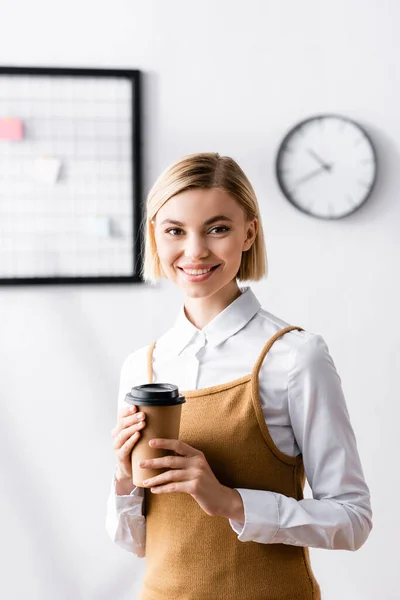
(305, 412)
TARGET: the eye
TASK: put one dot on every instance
(221, 228)
(174, 229)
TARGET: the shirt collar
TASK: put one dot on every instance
(228, 322)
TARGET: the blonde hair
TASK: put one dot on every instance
(204, 170)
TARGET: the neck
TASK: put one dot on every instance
(201, 311)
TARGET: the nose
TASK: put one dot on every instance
(196, 246)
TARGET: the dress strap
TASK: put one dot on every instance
(150, 361)
(268, 346)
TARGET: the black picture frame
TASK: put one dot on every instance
(134, 76)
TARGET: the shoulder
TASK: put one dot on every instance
(305, 354)
(304, 350)
(134, 367)
(309, 358)
(293, 341)
(136, 359)
(133, 371)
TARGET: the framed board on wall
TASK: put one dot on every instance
(70, 176)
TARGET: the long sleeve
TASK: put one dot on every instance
(339, 514)
(125, 523)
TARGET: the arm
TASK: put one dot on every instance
(339, 514)
(125, 523)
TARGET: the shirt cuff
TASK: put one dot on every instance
(261, 517)
(125, 501)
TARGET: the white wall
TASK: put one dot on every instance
(231, 77)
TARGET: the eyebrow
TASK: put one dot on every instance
(208, 222)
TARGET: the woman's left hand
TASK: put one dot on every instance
(190, 473)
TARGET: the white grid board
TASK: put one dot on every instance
(82, 225)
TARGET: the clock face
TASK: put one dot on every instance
(326, 166)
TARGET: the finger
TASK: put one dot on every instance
(131, 419)
(127, 421)
(167, 477)
(126, 448)
(126, 409)
(165, 462)
(123, 435)
(181, 486)
(177, 445)
(127, 432)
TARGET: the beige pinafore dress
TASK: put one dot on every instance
(193, 556)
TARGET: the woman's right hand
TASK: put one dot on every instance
(125, 434)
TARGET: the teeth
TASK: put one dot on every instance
(197, 271)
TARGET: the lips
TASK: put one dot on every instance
(198, 270)
(198, 276)
(193, 267)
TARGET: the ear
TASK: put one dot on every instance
(251, 233)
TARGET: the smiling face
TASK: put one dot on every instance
(200, 235)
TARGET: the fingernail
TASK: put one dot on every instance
(142, 463)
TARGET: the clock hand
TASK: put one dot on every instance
(311, 175)
(326, 166)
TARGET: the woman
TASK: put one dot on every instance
(264, 409)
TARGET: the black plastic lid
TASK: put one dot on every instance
(155, 394)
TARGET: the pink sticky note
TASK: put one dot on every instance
(11, 129)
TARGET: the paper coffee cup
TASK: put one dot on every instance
(162, 405)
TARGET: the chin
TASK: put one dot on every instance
(197, 291)
(192, 292)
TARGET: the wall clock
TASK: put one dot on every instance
(326, 166)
